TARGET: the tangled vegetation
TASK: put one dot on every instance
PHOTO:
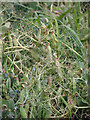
(44, 60)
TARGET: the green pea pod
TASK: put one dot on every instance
(59, 91)
(23, 112)
(8, 83)
(3, 88)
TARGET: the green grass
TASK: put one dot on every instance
(45, 61)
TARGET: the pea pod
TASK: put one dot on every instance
(3, 88)
(8, 83)
(49, 53)
(59, 91)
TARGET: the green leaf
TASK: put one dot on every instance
(63, 14)
(67, 106)
(9, 103)
(33, 112)
(40, 108)
(77, 25)
(57, 27)
(3, 29)
(7, 24)
(46, 111)
(23, 112)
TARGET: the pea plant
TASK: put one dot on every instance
(44, 60)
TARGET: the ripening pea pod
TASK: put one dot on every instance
(23, 112)
(49, 53)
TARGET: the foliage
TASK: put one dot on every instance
(45, 61)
